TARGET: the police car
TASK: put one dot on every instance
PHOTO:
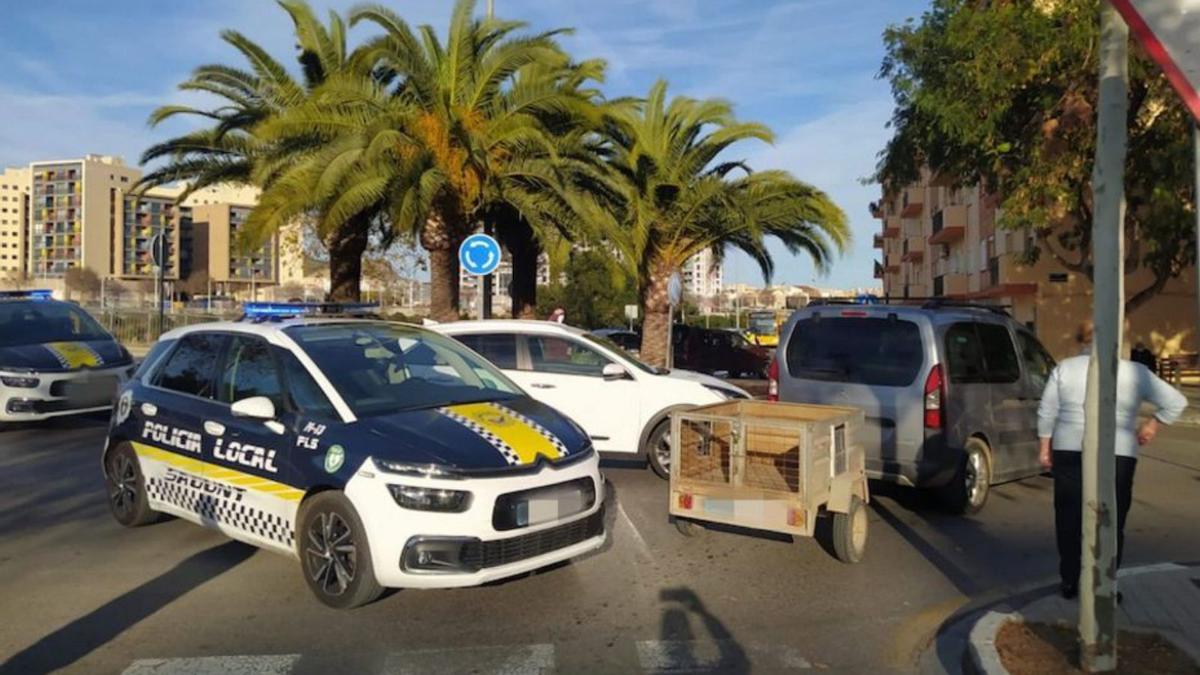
(55, 359)
(380, 454)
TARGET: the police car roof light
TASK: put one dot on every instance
(265, 311)
(35, 294)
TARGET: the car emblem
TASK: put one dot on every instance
(335, 456)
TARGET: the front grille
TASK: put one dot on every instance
(512, 509)
(86, 394)
(484, 554)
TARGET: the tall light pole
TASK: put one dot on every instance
(1097, 582)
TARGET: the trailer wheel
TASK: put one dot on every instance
(688, 528)
(850, 532)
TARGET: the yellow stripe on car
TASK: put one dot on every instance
(215, 472)
(519, 435)
(74, 354)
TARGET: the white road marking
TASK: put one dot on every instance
(266, 664)
(636, 535)
(690, 656)
(535, 659)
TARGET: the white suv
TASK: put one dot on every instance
(622, 403)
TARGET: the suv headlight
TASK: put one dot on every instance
(430, 499)
(417, 470)
(19, 381)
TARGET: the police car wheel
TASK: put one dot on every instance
(127, 488)
(334, 553)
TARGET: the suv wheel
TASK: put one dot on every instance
(658, 449)
(334, 553)
(967, 491)
(127, 488)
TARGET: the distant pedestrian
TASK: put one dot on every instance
(1060, 435)
(559, 315)
(1144, 356)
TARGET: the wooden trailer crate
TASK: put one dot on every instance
(767, 465)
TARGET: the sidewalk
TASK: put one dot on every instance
(1161, 598)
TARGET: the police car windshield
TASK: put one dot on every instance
(35, 322)
(381, 368)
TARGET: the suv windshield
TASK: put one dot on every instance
(869, 351)
(38, 322)
(380, 368)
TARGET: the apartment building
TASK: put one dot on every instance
(14, 209)
(216, 227)
(702, 277)
(941, 241)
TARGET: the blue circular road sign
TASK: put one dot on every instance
(479, 254)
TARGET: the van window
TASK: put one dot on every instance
(873, 351)
(1038, 364)
(980, 353)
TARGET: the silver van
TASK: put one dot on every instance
(950, 391)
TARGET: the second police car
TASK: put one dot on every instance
(55, 359)
(380, 454)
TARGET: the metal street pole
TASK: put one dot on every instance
(162, 268)
(1196, 206)
(1097, 583)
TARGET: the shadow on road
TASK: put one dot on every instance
(91, 631)
(678, 641)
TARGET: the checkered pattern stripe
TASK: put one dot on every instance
(542, 431)
(505, 449)
(210, 507)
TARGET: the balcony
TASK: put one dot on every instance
(949, 225)
(891, 228)
(877, 241)
(878, 270)
(912, 202)
(876, 209)
(913, 250)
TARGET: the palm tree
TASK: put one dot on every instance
(483, 131)
(231, 149)
(676, 201)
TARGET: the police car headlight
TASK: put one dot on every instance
(417, 470)
(430, 499)
(19, 381)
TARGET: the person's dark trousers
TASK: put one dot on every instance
(1068, 509)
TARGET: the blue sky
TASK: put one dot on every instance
(80, 76)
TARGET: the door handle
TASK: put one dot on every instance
(214, 428)
(541, 385)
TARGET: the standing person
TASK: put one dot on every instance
(1060, 435)
(1144, 356)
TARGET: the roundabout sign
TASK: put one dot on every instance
(479, 254)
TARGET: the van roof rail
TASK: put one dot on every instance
(921, 302)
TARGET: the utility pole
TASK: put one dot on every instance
(1097, 583)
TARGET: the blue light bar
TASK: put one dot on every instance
(866, 299)
(38, 294)
(282, 310)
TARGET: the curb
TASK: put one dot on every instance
(981, 647)
(983, 657)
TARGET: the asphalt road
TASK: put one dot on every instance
(80, 593)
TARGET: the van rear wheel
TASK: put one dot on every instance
(967, 491)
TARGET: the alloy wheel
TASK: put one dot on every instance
(662, 450)
(974, 476)
(332, 555)
(122, 490)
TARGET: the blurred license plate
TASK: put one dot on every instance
(552, 504)
(90, 392)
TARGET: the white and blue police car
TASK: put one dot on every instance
(380, 454)
(55, 359)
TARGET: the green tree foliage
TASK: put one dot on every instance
(1003, 94)
(594, 294)
(672, 199)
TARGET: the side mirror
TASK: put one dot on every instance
(614, 371)
(255, 408)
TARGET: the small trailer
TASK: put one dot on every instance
(771, 466)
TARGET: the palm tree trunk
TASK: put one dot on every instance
(346, 248)
(443, 284)
(438, 238)
(656, 313)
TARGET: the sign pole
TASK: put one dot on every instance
(162, 263)
(1097, 584)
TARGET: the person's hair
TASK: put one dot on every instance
(1083, 334)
